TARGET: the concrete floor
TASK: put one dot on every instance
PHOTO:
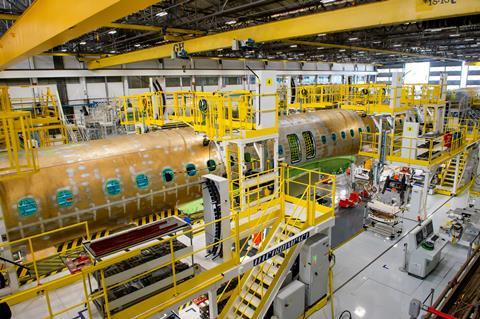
(367, 278)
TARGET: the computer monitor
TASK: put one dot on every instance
(429, 228)
(419, 236)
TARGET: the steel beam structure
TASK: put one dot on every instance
(48, 23)
(359, 17)
(355, 48)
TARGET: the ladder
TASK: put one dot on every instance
(260, 285)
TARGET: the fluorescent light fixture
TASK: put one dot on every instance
(231, 22)
(342, 50)
(64, 50)
(397, 45)
(301, 54)
(435, 30)
(112, 31)
(137, 45)
(162, 14)
(327, 1)
(377, 42)
(352, 39)
(113, 51)
(454, 35)
(294, 46)
(321, 34)
(320, 48)
(220, 49)
(360, 311)
(469, 39)
(83, 43)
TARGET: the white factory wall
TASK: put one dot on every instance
(83, 85)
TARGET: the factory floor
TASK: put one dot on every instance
(367, 277)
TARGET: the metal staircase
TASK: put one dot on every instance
(259, 286)
(448, 181)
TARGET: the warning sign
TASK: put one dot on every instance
(269, 82)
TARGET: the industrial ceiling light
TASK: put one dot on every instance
(397, 45)
(162, 14)
(454, 35)
(342, 50)
(83, 43)
(231, 22)
(321, 34)
(294, 46)
(64, 50)
(376, 42)
(469, 39)
(137, 45)
(352, 39)
(112, 31)
(113, 51)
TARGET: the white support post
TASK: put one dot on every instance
(423, 204)
(212, 303)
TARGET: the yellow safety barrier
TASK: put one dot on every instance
(48, 125)
(422, 151)
(15, 139)
(316, 97)
(313, 185)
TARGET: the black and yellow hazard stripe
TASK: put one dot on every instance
(188, 304)
(155, 216)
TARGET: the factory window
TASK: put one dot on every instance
(191, 169)
(142, 181)
(324, 139)
(114, 79)
(113, 187)
(211, 165)
(172, 82)
(64, 198)
(232, 80)
(343, 134)
(309, 144)
(294, 144)
(280, 150)
(168, 175)
(334, 137)
(368, 129)
(138, 82)
(95, 79)
(186, 81)
(27, 207)
(352, 132)
(206, 80)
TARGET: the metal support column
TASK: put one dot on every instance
(212, 303)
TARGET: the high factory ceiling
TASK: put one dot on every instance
(451, 39)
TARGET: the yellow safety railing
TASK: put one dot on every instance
(423, 151)
(179, 287)
(15, 142)
(145, 108)
(34, 252)
(316, 96)
(422, 94)
(48, 126)
(469, 126)
(223, 116)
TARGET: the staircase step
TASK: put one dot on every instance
(245, 310)
(263, 277)
(258, 289)
(270, 268)
(251, 299)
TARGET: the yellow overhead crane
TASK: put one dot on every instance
(351, 18)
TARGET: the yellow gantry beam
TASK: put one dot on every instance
(358, 17)
(48, 23)
(355, 48)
